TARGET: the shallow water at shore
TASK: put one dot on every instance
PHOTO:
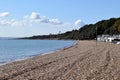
(11, 50)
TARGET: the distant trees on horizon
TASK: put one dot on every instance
(87, 32)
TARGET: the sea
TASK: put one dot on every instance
(12, 50)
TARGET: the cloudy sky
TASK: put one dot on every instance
(20, 18)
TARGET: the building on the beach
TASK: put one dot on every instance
(109, 38)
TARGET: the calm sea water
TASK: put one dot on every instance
(11, 50)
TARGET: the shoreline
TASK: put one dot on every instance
(41, 54)
(83, 61)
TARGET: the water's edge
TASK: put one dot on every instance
(32, 56)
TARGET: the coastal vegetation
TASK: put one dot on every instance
(87, 32)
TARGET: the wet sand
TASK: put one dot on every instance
(84, 61)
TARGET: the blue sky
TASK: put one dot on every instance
(19, 18)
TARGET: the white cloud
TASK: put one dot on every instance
(79, 23)
(29, 20)
(36, 17)
(17, 23)
(43, 19)
(12, 22)
(55, 21)
(4, 14)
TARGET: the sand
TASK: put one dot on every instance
(84, 61)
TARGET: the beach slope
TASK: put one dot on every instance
(84, 61)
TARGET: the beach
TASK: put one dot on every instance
(87, 60)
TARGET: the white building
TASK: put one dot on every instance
(108, 38)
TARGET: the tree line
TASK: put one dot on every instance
(87, 32)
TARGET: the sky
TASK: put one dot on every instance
(23, 18)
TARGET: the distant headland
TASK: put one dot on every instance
(87, 32)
